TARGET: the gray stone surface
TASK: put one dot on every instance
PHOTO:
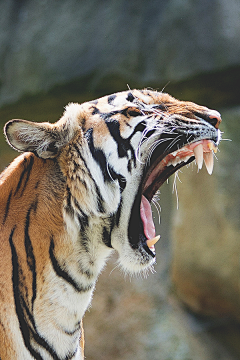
(44, 43)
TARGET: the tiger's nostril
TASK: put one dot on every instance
(215, 120)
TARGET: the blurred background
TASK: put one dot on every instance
(59, 51)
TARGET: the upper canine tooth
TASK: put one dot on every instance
(208, 159)
(198, 152)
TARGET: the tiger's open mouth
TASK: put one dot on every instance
(160, 169)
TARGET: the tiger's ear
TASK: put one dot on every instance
(43, 139)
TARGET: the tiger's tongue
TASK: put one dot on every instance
(147, 220)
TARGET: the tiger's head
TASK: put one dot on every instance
(115, 153)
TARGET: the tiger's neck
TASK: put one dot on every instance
(76, 262)
(77, 255)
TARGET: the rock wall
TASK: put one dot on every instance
(44, 43)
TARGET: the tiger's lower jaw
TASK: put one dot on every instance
(142, 242)
(137, 262)
(134, 261)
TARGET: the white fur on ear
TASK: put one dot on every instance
(24, 135)
(44, 139)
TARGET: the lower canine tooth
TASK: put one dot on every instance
(208, 159)
(213, 147)
(198, 152)
(153, 241)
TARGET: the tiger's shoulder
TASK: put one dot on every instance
(28, 183)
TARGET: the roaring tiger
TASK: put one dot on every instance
(81, 189)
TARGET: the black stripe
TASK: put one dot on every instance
(63, 273)
(99, 196)
(101, 160)
(25, 173)
(18, 299)
(82, 217)
(130, 97)
(83, 222)
(20, 296)
(29, 251)
(95, 110)
(129, 166)
(7, 207)
(98, 156)
(130, 112)
(69, 207)
(83, 124)
(92, 148)
(21, 177)
(107, 116)
(30, 165)
(73, 332)
(127, 112)
(111, 98)
(140, 128)
(79, 152)
(43, 343)
(121, 179)
(108, 172)
(160, 107)
(123, 144)
(99, 199)
(107, 231)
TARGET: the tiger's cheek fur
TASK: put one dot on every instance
(87, 191)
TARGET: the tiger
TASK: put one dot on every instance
(81, 190)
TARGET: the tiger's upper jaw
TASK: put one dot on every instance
(115, 152)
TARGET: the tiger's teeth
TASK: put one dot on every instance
(208, 159)
(198, 152)
(153, 241)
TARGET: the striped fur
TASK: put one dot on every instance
(72, 198)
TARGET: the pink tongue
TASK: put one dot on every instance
(147, 220)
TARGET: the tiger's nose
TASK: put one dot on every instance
(214, 118)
